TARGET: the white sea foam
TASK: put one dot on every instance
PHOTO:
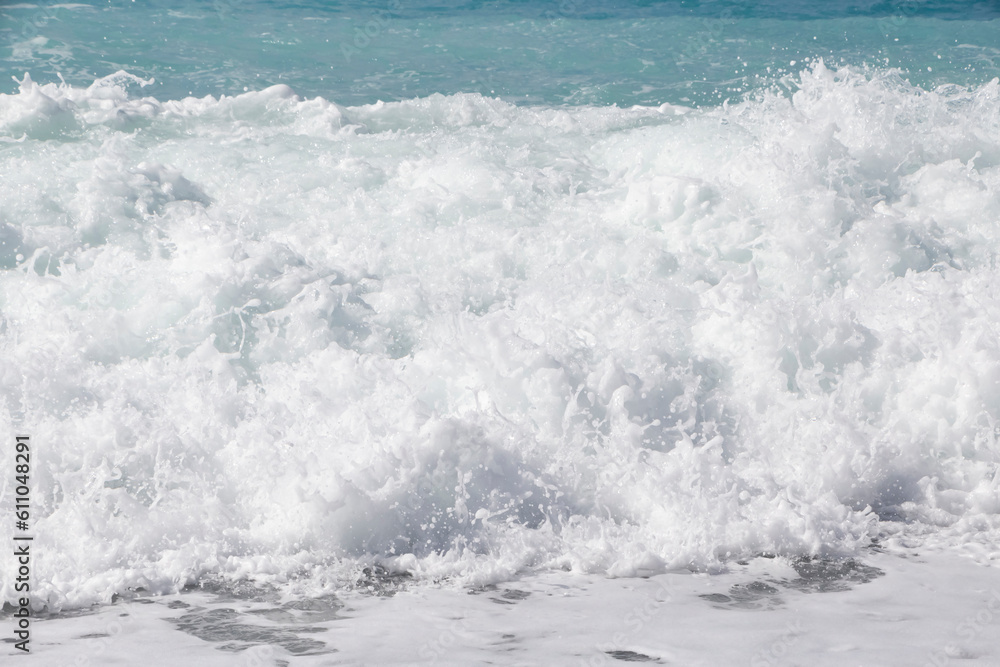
(270, 337)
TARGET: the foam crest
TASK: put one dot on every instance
(274, 338)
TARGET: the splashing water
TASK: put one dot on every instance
(275, 338)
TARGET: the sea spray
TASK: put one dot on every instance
(269, 337)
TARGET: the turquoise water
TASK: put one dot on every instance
(292, 292)
(569, 52)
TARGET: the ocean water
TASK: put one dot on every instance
(318, 297)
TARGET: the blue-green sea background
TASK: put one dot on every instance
(568, 52)
(262, 327)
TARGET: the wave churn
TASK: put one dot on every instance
(274, 338)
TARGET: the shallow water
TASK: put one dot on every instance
(931, 609)
(574, 52)
(281, 335)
